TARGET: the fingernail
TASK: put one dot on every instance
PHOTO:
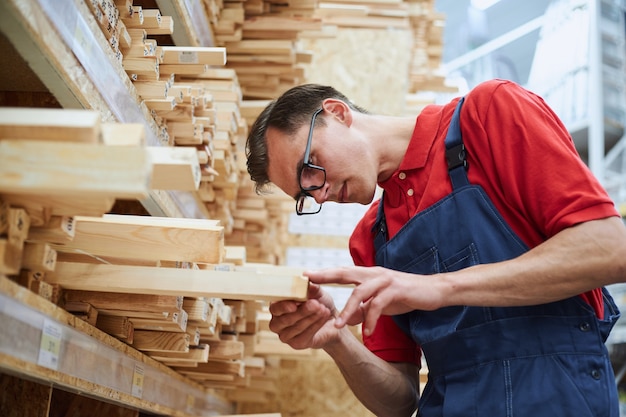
(339, 322)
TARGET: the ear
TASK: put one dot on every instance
(340, 110)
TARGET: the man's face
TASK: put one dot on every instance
(334, 147)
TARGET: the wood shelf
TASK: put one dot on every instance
(44, 342)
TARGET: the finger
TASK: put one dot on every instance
(302, 338)
(359, 295)
(288, 320)
(344, 276)
(314, 291)
(279, 308)
(311, 318)
(373, 310)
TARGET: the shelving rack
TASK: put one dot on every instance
(73, 60)
(43, 342)
(39, 341)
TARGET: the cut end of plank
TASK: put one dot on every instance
(300, 287)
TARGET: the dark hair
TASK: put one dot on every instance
(287, 114)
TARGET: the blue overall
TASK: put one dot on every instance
(545, 360)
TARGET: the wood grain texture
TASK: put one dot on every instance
(148, 238)
(73, 169)
(174, 281)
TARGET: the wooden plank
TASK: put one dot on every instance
(117, 326)
(199, 354)
(183, 282)
(12, 246)
(148, 238)
(147, 67)
(175, 322)
(152, 89)
(66, 125)
(154, 341)
(213, 366)
(197, 309)
(260, 46)
(161, 104)
(174, 168)
(188, 69)
(18, 224)
(280, 23)
(123, 134)
(59, 229)
(38, 257)
(235, 254)
(106, 301)
(41, 207)
(4, 217)
(194, 55)
(79, 169)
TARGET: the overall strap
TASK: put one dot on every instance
(455, 150)
(457, 167)
(380, 227)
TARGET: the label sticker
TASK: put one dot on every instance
(188, 57)
(138, 374)
(50, 346)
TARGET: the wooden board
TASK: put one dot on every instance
(73, 169)
(174, 281)
(66, 125)
(174, 168)
(148, 238)
(194, 55)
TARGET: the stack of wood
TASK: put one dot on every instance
(427, 27)
(220, 175)
(196, 107)
(194, 104)
(261, 40)
(166, 286)
(366, 14)
(259, 219)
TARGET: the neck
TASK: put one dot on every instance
(391, 136)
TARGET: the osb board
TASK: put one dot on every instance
(370, 66)
(23, 398)
(310, 388)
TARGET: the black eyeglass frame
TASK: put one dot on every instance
(305, 191)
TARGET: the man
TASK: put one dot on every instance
(488, 252)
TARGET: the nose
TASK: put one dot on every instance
(320, 195)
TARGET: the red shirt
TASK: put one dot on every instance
(523, 157)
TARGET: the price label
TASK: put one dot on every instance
(187, 57)
(138, 375)
(190, 402)
(50, 346)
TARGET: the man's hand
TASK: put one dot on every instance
(378, 291)
(307, 324)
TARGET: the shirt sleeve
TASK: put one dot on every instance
(387, 341)
(524, 147)
(541, 181)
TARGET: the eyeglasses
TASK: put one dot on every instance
(310, 178)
